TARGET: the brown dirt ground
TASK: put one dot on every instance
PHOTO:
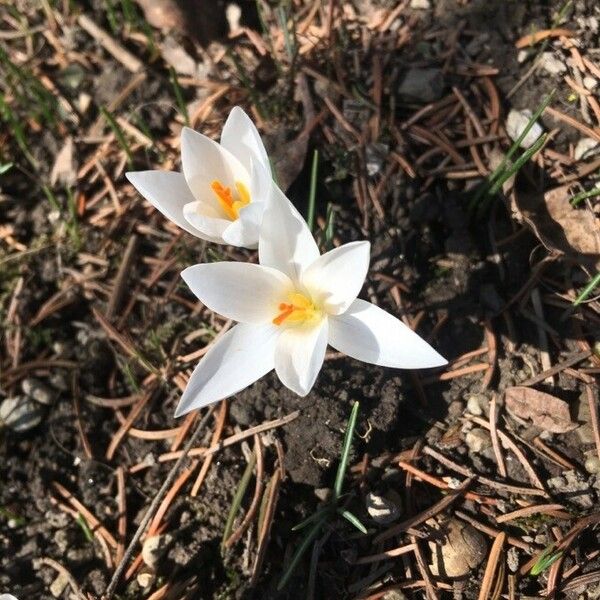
(449, 275)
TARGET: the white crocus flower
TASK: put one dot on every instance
(221, 194)
(289, 307)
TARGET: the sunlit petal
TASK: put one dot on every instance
(232, 364)
(168, 192)
(335, 278)
(244, 231)
(205, 161)
(242, 139)
(299, 356)
(207, 220)
(368, 333)
(244, 292)
(286, 242)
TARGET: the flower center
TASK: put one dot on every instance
(231, 202)
(299, 310)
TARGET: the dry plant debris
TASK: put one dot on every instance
(407, 106)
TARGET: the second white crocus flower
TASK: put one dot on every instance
(289, 307)
(221, 194)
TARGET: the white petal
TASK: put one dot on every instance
(207, 220)
(261, 183)
(336, 278)
(286, 242)
(243, 355)
(205, 161)
(245, 229)
(242, 139)
(299, 356)
(168, 192)
(243, 292)
(368, 333)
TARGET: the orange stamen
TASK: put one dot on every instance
(286, 311)
(230, 205)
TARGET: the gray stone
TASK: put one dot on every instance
(20, 413)
(421, 85)
(575, 487)
(585, 147)
(592, 465)
(474, 406)
(551, 64)
(478, 440)
(323, 494)
(460, 549)
(38, 390)
(381, 509)
(516, 123)
(420, 4)
(375, 155)
(512, 559)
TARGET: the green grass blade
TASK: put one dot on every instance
(500, 170)
(304, 545)
(118, 134)
(85, 527)
(353, 519)
(312, 195)
(514, 168)
(517, 143)
(518, 164)
(575, 200)
(316, 515)
(545, 560)
(341, 472)
(329, 225)
(179, 96)
(237, 498)
(587, 290)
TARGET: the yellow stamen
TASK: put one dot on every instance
(299, 309)
(229, 203)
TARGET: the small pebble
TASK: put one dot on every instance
(420, 4)
(552, 65)
(422, 85)
(37, 390)
(589, 82)
(592, 465)
(382, 510)
(459, 549)
(512, 559)
(20, 413)
(517, 122)
(393, 595)
(584, 147)
(323, 494)
(153, 549)
(474, 406)
(478, 440)
(146, 577)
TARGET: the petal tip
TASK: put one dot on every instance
(181, 409)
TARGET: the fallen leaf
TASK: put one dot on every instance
(562, 229)
(63, 170)
(543, 410)
(289, 156)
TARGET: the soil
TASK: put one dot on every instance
(455, 280)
